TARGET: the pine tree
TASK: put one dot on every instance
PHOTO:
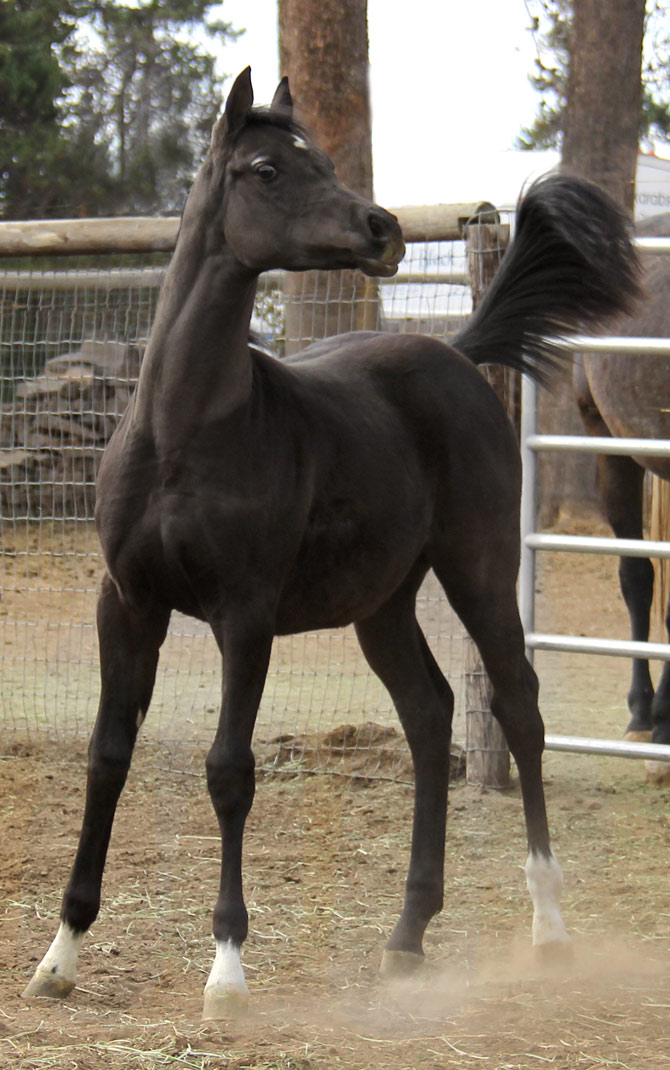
(31, 85)
(142, 86)
(551, 27)
(105, 107)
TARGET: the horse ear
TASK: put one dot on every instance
(282, 100)
(238, 106)
(239, 102)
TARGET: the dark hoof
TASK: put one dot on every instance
(400, 963)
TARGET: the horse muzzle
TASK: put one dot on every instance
(385, 231)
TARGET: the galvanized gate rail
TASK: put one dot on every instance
(533, 541)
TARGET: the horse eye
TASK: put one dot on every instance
(266, 172)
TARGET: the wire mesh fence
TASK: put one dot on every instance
(72, 333)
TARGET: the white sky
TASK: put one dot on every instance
(449, 92)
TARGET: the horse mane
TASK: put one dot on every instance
(277, 117)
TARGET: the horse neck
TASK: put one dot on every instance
(196, 366)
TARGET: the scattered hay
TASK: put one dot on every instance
(367, 750)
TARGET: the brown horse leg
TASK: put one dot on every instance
(397, 652)
(230, 779)
(620, 483)
(660, 710)
(129, 648)
(484, 596)
(659, 772)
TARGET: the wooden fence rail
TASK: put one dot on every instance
(144, 234)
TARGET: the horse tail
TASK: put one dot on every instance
(570, 266)
(660, 531)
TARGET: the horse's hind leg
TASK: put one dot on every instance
(621, 486)
(129, 650)
(483, 593)
(396, 650)
(659, 772)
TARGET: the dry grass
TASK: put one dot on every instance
(324, 873)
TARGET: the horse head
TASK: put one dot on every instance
(279, 201)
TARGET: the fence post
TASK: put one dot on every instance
(487, 756)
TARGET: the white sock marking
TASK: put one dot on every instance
(60, 960)
(545, 883)
(227, 972)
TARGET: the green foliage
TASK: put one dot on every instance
(145, 90)
(31, 84)
(30, 78)
(551, 30)
(655, 125)
(105, 107)
(551, 24)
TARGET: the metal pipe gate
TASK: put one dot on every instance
(533, 541)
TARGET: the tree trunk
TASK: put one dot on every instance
(604, 95)
(600, 143)
(323, 48)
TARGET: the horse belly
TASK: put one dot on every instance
(344, 576)
(633, 397)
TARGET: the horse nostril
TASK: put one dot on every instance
(378, 225)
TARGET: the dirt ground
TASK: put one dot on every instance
(324, 871)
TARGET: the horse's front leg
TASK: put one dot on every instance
(231, 783)
(129, 647)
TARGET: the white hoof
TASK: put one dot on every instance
(226, 992)
(638, 736)
(56, 974)
(46, 983)
(232, 1001)
(545, 883)
(657, 773)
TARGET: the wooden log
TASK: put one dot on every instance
(442, 222)
(60, 428)
(88, 236)
(11, 459)
(146, 234)
(53, 435)
(41, 386)
(487, 756)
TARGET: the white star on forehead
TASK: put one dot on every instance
(300, 142)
